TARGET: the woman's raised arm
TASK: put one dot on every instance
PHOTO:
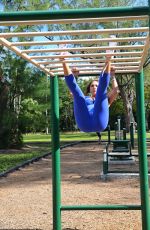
(66, 68)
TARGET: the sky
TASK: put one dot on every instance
(1, 7)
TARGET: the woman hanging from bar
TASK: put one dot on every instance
(91, 112)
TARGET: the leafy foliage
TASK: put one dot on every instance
(24, 91)
(17, 81)
(67, 122)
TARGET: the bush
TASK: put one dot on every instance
(10, 136)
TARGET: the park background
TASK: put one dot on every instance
(25, 91)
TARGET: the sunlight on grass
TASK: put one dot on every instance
(8, 161)
(73, 136)
(41, 143)
(69, 137)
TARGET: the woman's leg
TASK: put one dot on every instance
(101, 107)
(81, 112)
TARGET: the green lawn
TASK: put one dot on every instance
(38, 144)
(67, 137)
(8, 161)
(72, 136)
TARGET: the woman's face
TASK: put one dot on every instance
(93, 88)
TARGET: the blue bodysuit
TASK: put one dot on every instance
(90, 116)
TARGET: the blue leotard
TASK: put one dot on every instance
(90, 116)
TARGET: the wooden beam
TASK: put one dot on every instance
(96, 69)
(76, 32)
(96, 64)
(98, 72)
(91, 60)
(71, 21)
(145, 52)
(24, 56)
(138, 53)
(79, 41)
(96, 48)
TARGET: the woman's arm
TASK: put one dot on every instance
(107, 66)
(112, 95)
(70, 79)
(66, 68)
(68, 71)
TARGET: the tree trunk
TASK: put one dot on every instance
(127, 94)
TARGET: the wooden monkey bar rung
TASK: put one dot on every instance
(128, 52)
(71, 21)
(79, 41)
(76, 32)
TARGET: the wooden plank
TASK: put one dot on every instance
(79, 41)
(75, 32)
(70, 21)
(24, 56)
(96, 48)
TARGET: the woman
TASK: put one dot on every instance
(91, 112)
(112, 95)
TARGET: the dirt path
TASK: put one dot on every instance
(26, 195)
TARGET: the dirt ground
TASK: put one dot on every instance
(26, 195)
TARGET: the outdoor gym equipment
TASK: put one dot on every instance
(118, 151)
(128, 59)
(121, 135)
(121, 143)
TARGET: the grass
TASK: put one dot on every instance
(65, 137)
(38, 144)
(8, 161)
(72, 136)
(11, 158)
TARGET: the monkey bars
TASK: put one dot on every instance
(87, 49)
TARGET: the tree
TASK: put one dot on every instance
(10, 135)
(126, 87)
(42, 95)
(67, 121)
(17, 81)
(31, 116)
(4, 91)
(147, 95)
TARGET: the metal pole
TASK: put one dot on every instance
(116, 128)
(132, 135)
(149, 14)
(119, 128)
(124, 134)
(143, 162)
(105, 163)
(109, 138)
(56, 176)
(72, 13)
(101, 207)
